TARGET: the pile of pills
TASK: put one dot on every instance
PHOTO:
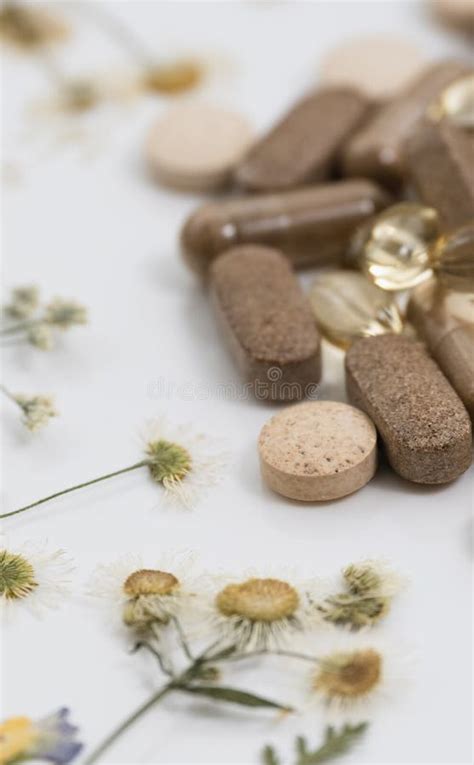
(368, 180)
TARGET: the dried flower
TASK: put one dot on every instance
(53, 739)
(371, 586)
(353, 675)
(64, 314)
(37, 410)
(182, 465)
(261, 612)
(41, 336)
(146, 596)
(24, 302)
(33, 577)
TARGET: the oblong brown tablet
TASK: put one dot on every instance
(302, 146)
(311, 225)
(421, 419)
(376, 150)
(267, 321)
(318, 450)
(439, 157)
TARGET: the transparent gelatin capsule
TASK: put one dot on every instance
(347, 306)
(453, 259)
(456, 103)
(394, 249)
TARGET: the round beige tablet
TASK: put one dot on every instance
(318, 450)
(379, 67)
(196, 145)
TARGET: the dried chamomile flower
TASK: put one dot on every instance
(371, 586)
(52, 738)
(33, 577)
(64, 314)
(258, 612)
(185, 464)
(147, 597)
(37, 410)
(175, 77)
(24, 302)
(353, 676)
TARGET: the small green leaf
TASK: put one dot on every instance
(269, 756)
(233, 696)
(336, 743)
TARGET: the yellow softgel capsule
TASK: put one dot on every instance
(347, 306)
(394, 249)
(456, 103)
(453, 258)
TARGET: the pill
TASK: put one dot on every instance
(394, 249)
(422, 421)
(311, 226)
(267, 322)
(196, 145)
(318, 450)
(377, 66)
(302, 146)
(444, 320)
(440, 161)
(453, 258)
(458, 14)
(456, 103)
(347, 306)
(375, 151)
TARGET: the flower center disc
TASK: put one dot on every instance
(350, 675)
(17, 576)
(265, 600)
(168, 461)
(150, 582)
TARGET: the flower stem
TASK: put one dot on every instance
(19, 327)
(8, 394)
(94, 756)
(140, 464)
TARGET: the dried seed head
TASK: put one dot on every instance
(355, 612)
(348, 676)
(17, 576)
(259, 600)
(362, 578)
(79, 97)
(168, 462)
(150, 582)
(37, 410)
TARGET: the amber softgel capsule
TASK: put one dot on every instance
(394, 249)
(347, 306)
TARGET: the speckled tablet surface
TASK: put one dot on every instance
(195, 145)
(421, 419)
(267, 322)
(318, 450)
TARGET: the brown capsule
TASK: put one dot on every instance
(422, 421)
(302, 146)
(444, 320)
(440, 158)
(311, 225)
(267, 322)
(376, 150)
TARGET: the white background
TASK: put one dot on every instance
(98, 229)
